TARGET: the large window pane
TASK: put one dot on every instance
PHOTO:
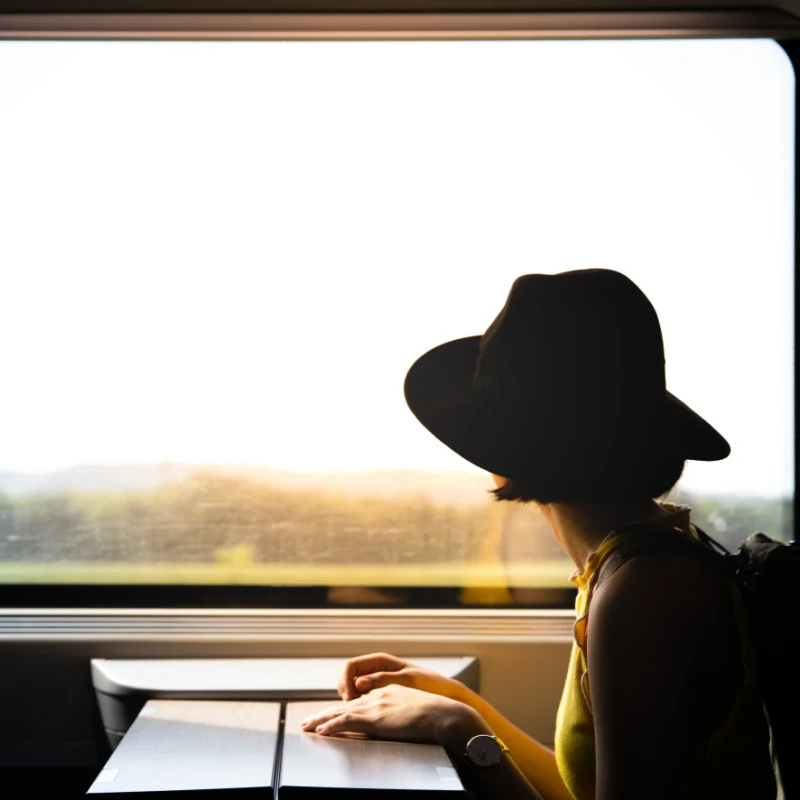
(219, 260)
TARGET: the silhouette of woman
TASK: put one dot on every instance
(563, 399)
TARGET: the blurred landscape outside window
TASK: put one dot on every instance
(220, 259)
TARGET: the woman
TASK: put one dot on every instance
(564, 401)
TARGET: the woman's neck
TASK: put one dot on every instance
(580, 527)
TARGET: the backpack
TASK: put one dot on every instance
(768, 575)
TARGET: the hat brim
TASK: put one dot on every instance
(439, 391)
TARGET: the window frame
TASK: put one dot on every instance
(782, 27)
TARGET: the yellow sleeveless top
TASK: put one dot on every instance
(738, 765)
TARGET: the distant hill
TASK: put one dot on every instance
(460, 488)
(95, 477)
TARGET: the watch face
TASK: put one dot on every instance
(484, 751)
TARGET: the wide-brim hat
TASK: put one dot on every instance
(571, 371)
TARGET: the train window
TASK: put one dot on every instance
(220, 258)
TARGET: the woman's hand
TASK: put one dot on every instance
(374, 671)
(402, 713)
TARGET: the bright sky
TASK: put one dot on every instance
(232, 252)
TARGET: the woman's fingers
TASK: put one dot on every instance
(313, 722)
(363, 666)
(366, 683)
(349, 721)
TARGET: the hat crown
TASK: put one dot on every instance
(587, 342)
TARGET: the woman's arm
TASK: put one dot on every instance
(504, 780)
(663, 656)
(401, 713)
(535, 761)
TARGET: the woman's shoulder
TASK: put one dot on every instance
(665, 668)
(670, 618)
(666, 585)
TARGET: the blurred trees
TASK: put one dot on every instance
(211, 518)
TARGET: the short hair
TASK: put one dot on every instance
(620, 481)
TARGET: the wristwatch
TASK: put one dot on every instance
(484, 750)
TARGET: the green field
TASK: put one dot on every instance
(549, 574)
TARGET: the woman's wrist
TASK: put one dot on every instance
(457, 726)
